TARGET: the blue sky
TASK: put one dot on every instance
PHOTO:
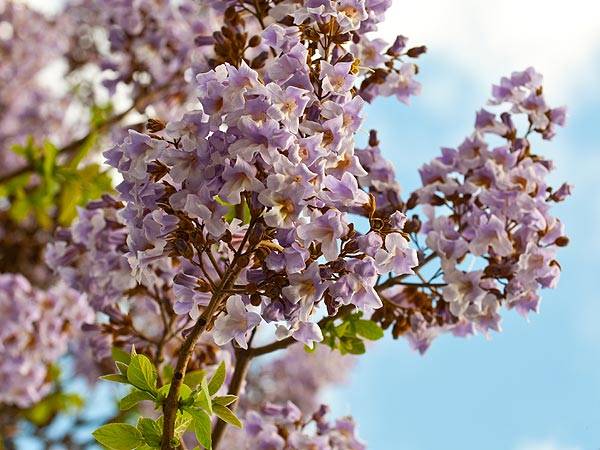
(536, 385)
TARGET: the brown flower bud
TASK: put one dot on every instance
(255, 299)
(243, 261)
(260, 60)
(373, 141)
(203, 285)
(155, 125)
(183, 248)
(254, 41)
(562, 241)
(415, 52)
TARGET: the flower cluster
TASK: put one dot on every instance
(488, 222)
(272, 142)
(91, 257)
(144, 46)
(283, 426)
(37, 327)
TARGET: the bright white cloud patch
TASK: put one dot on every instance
(490, 39)
(546, 444)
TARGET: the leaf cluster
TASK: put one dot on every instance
(349, 334)
(198, 404)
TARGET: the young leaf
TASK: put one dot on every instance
(184, 391)
(119, 436)
(353, 346)
(225, 400)
(122, 367)
(217, 379)
(225, 414)
(182, 423)
(168, 374)
(203, 397)
(133, 398)
(141, 373)
(194, 378)
(368, 329)
(115, 377)
(120, 355)
(151, 431)
(202, 427)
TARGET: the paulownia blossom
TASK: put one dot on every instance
(36, 328)
(254, 213)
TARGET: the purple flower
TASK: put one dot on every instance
(336, 78)
(288, 105)
(305, 288)
(397, 257)
(344, 192)
(235, 324)
(239, 178)
(491, 233)
(284, 207)
(325, 230)
(401, 84)
(308, 333)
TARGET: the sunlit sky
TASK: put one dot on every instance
(536, 386)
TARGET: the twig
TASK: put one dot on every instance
(185, 352)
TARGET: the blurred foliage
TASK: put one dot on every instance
(348, 334)
(59, 180)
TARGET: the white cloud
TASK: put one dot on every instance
(490, 39)
(545, 444)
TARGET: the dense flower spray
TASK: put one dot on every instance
(36, 329)
(248, 219)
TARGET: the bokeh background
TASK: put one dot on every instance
(536, 385)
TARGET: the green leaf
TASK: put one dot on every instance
(141, 373)
(225, 414)
(120, 355)
(119, 436)
(151, 431)
(225, 400)
(217, 379)
(184, 391)
(168, 373)
(202, 427)
(203, 397)
(115, 377)
(79, 186)
(182, 423)
(133, 398)
(344, 329)
(121, 367)
(42, 412)
(49, 151)
(194, 378)
(312, 349)
(353, 346)
(368, 329)
(83, 150)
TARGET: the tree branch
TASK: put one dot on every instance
(398, 279)
(185, 352)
